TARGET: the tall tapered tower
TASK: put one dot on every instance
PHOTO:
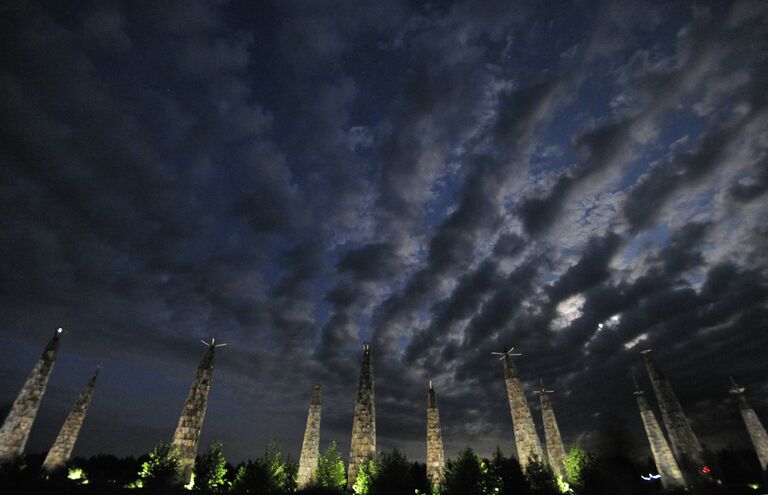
(187, 433)
(685, 445)
(62, 448)
(754, 426)
(554, 442)
(435, 453)
(526, 438)
(310, 449)
(15, 430)
(669, 469)
(364, 423)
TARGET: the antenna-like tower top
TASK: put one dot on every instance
(645, 351)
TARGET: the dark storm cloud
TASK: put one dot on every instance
(591, 269)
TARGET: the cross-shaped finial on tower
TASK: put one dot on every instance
(213, 343)
(543, 390)
(735, 388)
(507, 353)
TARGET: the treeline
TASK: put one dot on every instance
(390, 473)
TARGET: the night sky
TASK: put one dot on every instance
(580, 180)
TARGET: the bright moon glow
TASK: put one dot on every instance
(567, 311)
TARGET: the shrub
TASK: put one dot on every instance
(210, 469)
(330, 469)
(578, 465)
(162, 469)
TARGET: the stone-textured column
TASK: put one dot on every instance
(526, 438)
(685, 445)
(555, 448)
(755, 427)
(310, 449)
(364, 423)
(435, 453)
(15, 430)
(187, 433)
(669, 469)
(62, 448)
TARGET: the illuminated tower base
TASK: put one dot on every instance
(435, 453)
(555, 448)
(15, 430)
(669, 469)
(310, 449)
(685, 445)
(364, 423)
(187, 434)
(755, 428)
(62, 448)
(526, 438)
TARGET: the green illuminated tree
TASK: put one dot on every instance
(366, 474)
(163, 468)
(282, 471)
(330, 469)
(210, 469)
(579, 466)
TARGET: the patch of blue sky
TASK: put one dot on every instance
(446, 194)
(362, 322)
(655, 237)
(697, 207)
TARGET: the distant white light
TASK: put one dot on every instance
(651, 477)
(599, 326)
(59, 330)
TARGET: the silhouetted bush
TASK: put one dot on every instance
(110, 470)
(506, 475)
(466, 475)
(392, 474)
(541, 479)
